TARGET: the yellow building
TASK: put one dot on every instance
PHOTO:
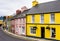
(43, 20)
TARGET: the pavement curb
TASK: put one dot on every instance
(23, 37)
(20, 37)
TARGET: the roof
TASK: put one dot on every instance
(53, 6)
(23, 14)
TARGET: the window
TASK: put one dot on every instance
(23, 29)
(42, 18)
(23, 20)
(20, 20)
(32, 30)
(52, 18)
(32, 18)
(53, 32)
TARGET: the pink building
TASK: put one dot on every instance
(20, 23)
(12, 25)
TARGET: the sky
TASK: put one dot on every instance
(9, 7)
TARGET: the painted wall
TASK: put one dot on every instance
(45, 24)
(19, 23)
(13, 26)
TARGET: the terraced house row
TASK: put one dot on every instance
(42, 20)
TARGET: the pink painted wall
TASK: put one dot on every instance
(13, 26)
(19, 23)
(23, 23)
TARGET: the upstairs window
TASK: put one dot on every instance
(42, 18)
(32, 18)
(52, 18)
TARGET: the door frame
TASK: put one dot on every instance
(42, 33)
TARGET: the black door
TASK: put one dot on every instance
(42, 32)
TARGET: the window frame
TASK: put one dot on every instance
(51, 31)
(33, 18)
(41, 18)
(51, 19)
(32, 30)
(23, 30)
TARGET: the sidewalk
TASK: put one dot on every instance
(23, 37)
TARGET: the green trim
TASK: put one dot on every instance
(42, 24)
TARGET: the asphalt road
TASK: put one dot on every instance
(5, 37)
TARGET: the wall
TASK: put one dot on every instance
(46, 23)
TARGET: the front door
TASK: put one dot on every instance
(42, 32)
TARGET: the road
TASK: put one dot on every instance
(5, 37)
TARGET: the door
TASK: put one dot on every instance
(23, 30)
(42, 32)
(20, 31)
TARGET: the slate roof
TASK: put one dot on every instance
(23, 14)
(53, 6)
(13, 17)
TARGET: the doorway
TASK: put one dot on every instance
(42, 32)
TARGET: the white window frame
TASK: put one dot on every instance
(51, 33)
(30, 30)
(41, 18)
(33, 19)
(51, 19)
(23, 31)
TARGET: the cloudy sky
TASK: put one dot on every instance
(8, 7)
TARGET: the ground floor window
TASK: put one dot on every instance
(23, 29)
(33, 30)
(53, 32)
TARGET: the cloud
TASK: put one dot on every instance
(8, 7)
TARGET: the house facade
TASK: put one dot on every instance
(12, 25)
(20, 23)
(43, 21)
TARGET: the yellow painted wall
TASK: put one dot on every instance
(46, 20)
(58, 32)
(29, 19)
(37, 19)
(47, 32)
(37, 30)
(57, 18)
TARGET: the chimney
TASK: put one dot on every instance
(34, 3)
(18, 11)
(23, 8)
